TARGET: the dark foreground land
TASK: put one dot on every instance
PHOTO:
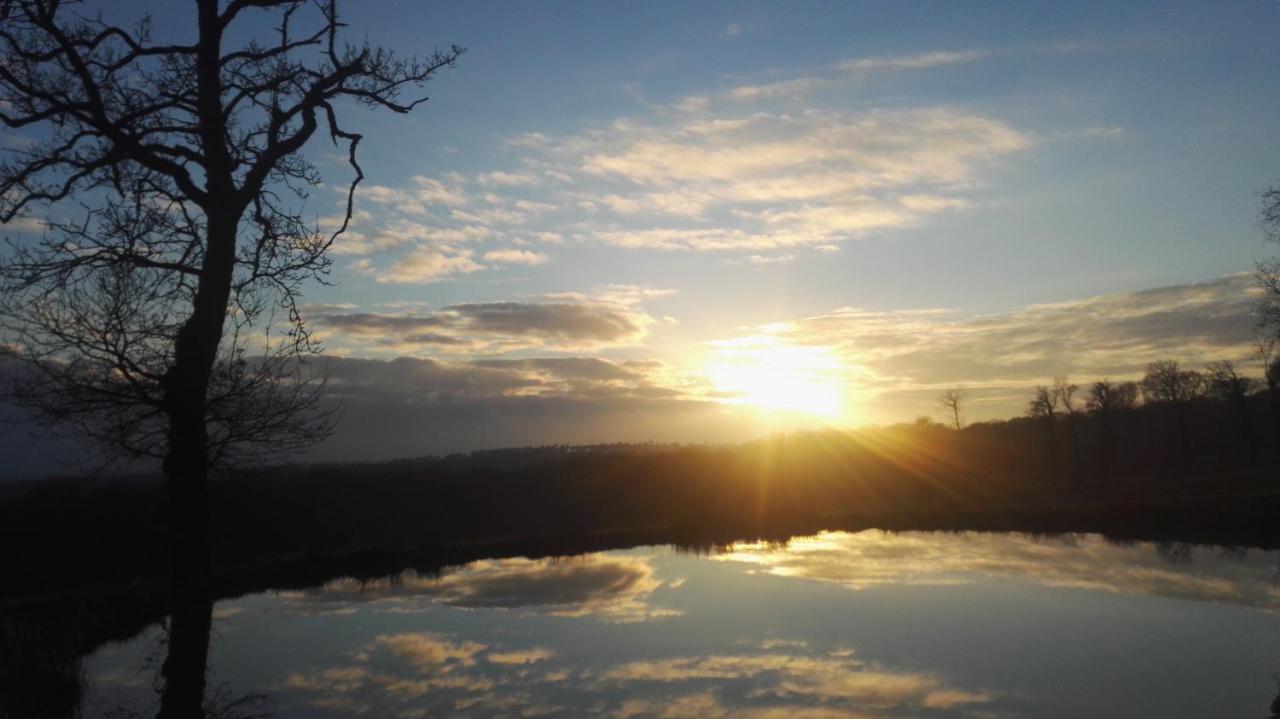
(85, 560)
(1206, 472)
(89, 534)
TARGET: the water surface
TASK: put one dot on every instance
(832, 626)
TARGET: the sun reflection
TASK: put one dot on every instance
(770, 375)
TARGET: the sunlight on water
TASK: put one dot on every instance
(836, 626)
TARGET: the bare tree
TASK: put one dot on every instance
(951, 400)
(1167, 383)
(1064, 393)
(1267, 357)
(1173, 389)
(1043, 407)
(1106, 400)
(1224, 382)
(1268, 271)
(158, 315)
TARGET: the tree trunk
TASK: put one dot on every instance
(185, 664)
(186, 469)
(186, 388)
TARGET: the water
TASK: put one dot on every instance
(836, 625)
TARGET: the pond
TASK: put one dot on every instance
(835, 625)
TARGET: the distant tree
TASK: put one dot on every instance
(951, 400)
(171, 179)
(1265, 352)
(1225, 383)
(1268, 271)
(1169, 387)
(1167, 383)
(1106, 400)
(1043, 407)
(1064, 393)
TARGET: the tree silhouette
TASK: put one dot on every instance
(1174, 389)
(1106, 400)
(1267, 357)
(1268, 271)
(951, 400)
(1043, 407)
(1064, 393)
(158, 315)
(1227, 384)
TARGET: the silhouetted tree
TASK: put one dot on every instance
(1268, 305)
(1174, 389)
(1106, 400)
(1064, 393)
(1228, 385)
(134, 320)
(951, 400)
(1043, 407)
(1167, 383)
(1270, 362)
(1268, 271)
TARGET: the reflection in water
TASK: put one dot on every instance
(960, 626)
(186, 658)
(875, 558)
(613, 588)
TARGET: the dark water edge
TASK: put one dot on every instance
(87, 562)
(86, 616)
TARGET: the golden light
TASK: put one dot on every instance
(764, 373)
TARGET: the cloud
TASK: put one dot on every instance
(753, 167)
(815, 178)
(423, 193)
(414, 406)
(873, 558)
(521, 657)
(825, 679)
(430, 652)
(516, 257)
(563, 322)
(896, 361)
(428, 265)
(573, 321)
(733, 29)
(505, 179)
(782, 88)
(920, 61)
(609, 588)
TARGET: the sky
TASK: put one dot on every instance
(704, 221)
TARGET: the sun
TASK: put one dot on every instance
(780, 377)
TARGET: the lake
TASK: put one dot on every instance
(835, 625)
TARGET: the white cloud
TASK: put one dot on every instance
(516, 257)
(505, 179)
(911, 62)
(782, 88)
(429, 265)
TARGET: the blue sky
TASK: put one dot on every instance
(1169, 197)
(764, 214)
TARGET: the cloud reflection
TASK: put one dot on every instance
(801, 683)
(610, 588)
(875, 558)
